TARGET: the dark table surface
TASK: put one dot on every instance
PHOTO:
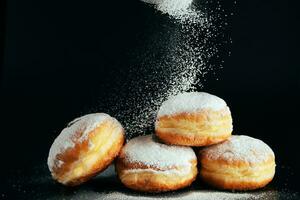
(37, 183)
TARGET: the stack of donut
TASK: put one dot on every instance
(165, 161)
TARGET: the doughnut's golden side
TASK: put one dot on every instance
(200, 128)
(236, 175)
(143, 178)
(91, 156)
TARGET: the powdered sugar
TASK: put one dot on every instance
(171, 7)
(240, 148)
(174, 55)
(76, 131)
(144, 149)
(190, 102)
(198, 195)
(179, 172)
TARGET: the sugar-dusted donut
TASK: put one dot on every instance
(193, 119)
(149, 166)
(84, 148)
(240, 163)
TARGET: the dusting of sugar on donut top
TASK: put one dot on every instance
(145, 150)
(76, 131)
(190, 102)
(239, 148)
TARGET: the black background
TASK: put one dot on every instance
(58, 54)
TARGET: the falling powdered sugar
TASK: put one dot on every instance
(180, 10)
(240, 148)
(173, 56)
(171, 7)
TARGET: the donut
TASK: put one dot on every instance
(84, 148)
(193, 119)
(240, 163)
(149, 166)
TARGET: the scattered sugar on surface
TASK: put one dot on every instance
(145, 150)
(196, 195)
(68, 135)
(240, 147)
(190, 102)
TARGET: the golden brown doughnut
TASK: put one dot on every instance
(84, 148)
(193, 119)
(240, 163)
(148, 166)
